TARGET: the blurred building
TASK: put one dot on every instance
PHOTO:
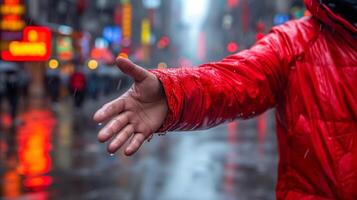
(151, 32)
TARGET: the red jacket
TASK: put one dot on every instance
(307, 70)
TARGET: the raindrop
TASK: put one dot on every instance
(112, 154)
(99, 124)
(119, 84)
(306, 153)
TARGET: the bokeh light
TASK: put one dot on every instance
(53, 64)
(92, 64)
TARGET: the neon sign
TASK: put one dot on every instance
(12, 11)
(35, 46)
(126, 21)
(64, 48)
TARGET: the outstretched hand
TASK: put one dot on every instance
(135, 115)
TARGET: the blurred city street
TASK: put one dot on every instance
(55, 155)
(57, 68)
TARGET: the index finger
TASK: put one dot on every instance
(109, 110)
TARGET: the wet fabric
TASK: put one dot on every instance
(307, 70)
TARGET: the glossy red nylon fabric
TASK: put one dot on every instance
(307, 70)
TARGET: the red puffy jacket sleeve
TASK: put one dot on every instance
(240, 86)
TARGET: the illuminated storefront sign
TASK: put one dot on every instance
(35, 46)
(112, 34)
(126, 21)
(12, 12)
(145, 32)
(102, 55)
(14, 9)
(64, 48)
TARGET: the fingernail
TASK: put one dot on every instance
(129, 150)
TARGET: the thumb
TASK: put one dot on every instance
(131, 69)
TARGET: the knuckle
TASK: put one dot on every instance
(111, 107)
(117, 122)
(127, 133)
(130, 128)
(137, 142)
(119, 141)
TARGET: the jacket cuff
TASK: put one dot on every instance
(168, 85)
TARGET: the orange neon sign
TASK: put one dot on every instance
(12, 9)
(126, 21)
(35, 46)
(12, 12)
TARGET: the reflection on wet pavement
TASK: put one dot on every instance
(55, 155)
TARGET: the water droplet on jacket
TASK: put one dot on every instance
(306, 153)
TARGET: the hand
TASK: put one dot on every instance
(135, 115)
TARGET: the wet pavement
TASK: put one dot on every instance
(55, 155)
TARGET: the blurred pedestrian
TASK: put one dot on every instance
(24, 84)
(93, 85)
(2, 88)
(305, 68)
(78, 87)
(53, 84)
(12, 91)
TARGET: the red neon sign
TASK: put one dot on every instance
(35, 46)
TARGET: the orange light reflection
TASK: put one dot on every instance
(34, 139)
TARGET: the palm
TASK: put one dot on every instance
(143, 103)
(137, 114)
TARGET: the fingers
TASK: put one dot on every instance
(131, 69)
(135, 143)
(113, 127)
(121, 138)
(109, 110)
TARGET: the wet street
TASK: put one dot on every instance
(55, 155)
